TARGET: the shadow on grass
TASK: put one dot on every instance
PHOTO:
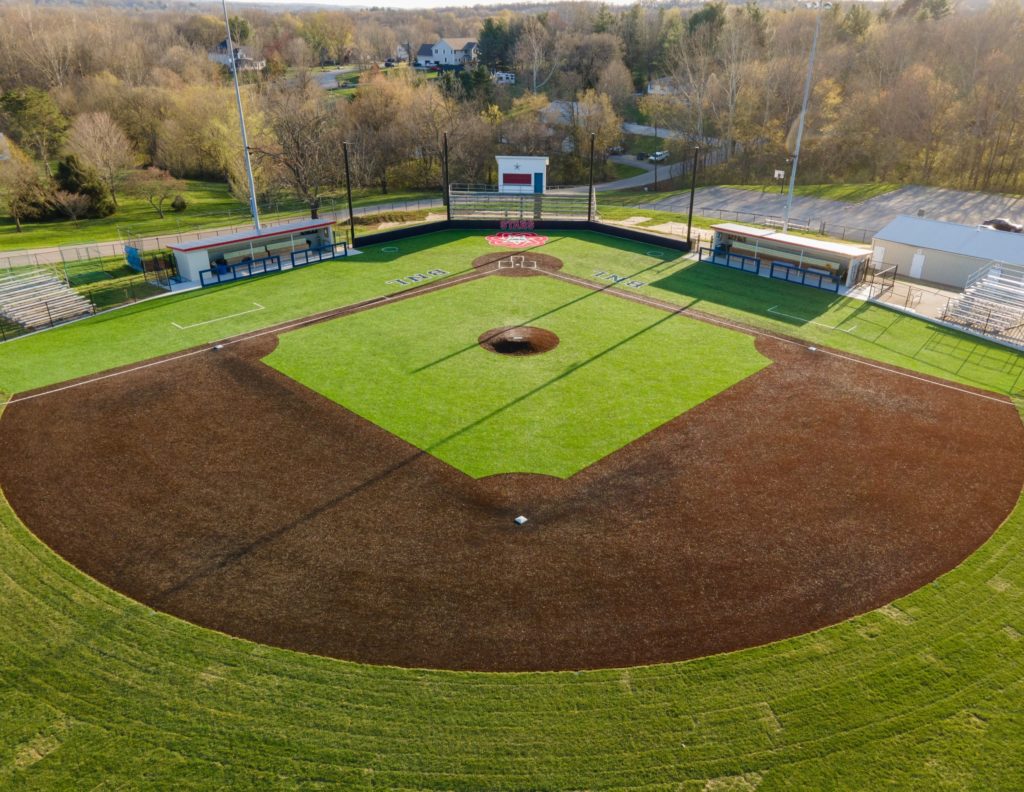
(239, 553)
(596, 289)
(940, 348)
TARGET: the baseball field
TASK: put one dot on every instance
(262, 535)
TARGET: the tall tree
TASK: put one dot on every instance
(33, 120)
(308, 131)
(533, 53)
(101, 145)
(22, 188)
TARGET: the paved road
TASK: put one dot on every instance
(858, 220)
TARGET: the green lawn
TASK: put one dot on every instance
(98, 691)
(851, 193)
(415, 368)
(210, 205)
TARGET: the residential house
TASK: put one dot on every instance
(450, 52)
(244, 59)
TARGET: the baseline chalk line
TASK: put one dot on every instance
(220, 318)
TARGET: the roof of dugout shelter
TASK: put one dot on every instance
(964, 240)
(794, 241)
(252, 235)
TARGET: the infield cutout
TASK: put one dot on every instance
(518, 341)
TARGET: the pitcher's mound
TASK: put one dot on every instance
(518, 340)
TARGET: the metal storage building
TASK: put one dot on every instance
(946, 254)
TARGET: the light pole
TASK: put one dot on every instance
(803, 115)
(348, 190)
(590, 192)
(253, 209)
(693, 189)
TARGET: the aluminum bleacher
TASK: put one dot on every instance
(36, 299)
(993, 302)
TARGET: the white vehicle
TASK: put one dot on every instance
(659, 156)
(504, 78)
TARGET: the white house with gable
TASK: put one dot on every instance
(448, 52)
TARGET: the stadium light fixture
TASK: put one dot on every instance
(253, 208)
(803, 116)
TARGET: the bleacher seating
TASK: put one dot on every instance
(993, 302)
(35, 299)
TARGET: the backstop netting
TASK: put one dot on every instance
(483, 203)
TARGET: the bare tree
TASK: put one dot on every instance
(533, 53)
(72, 205)
(101, 145)
(155, 186)
(308, 133)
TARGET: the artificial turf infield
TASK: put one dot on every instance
(99, 691)
(416, 369)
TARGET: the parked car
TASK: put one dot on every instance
(1002, 224)
(642, 155)
(615, 150)
(389, 63)
(659, 156)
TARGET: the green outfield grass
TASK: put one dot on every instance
(850, 193)
(98, 691)
(415, 368)
(145, 330)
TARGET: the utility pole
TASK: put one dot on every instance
(253, 209)
(803, 116)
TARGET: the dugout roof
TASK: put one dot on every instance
(251, 235)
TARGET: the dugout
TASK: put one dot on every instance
(843, 262)
(250, 252)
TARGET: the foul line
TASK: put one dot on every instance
(667, 306)
(282, 328)
(415, 291)
(811, 321)
(220, 318)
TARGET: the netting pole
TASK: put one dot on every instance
(591, 198)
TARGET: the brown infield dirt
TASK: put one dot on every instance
(216, 489)
(532, 264)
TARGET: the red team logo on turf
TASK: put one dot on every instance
(517, 239)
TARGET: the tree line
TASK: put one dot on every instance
(99, 102)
